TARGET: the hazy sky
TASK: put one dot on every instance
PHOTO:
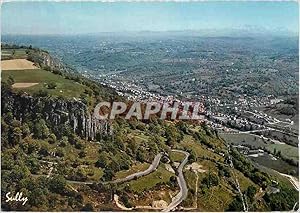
(77, 18)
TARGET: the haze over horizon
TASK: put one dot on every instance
(59, 18)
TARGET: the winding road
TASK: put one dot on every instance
(180, 178)
(181, 182)
(150, 169)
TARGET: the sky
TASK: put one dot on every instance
(94, 17)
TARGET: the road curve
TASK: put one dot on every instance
(182, 184)
(150, 169)
(294, 181)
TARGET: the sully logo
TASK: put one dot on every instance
(18, 197)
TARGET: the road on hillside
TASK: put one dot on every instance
(181, 182)
(294, 181)
(150, 169)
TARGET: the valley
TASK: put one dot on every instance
(211, 165)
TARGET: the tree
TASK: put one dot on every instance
(79, 145)
(17, 135)
(210, 180)
(25, 130)
(82, 153)
(52, 138)
(41, 130)
(40, 194)
(193, 156)
(44, 150)
(10, 81)
(114, 165)
(7, 160)
(173, 181)
(41, 93)
(88, 208)
(125, 200)
(236, 205)
(60, 152)
(33, 165)
(251, 191)
(141, 155)
(108, 174)
(30, 146)
(63, 141)
(19, 172)
(57, 184)
(103, 160)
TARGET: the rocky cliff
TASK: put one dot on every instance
(56, 111)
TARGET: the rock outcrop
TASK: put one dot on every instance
(57, 111)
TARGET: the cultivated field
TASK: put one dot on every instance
(23, 85)
(255, 141)
(7, 54)
(17, 64)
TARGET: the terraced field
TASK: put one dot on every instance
(13, 53)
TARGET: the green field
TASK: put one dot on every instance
(286, 150)
(176, 156)
(133, 169)
(278, 165)
(161, 175)
(243, 139)
(65, 87)
(13, 53)
(246, 139)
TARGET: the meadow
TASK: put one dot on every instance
(64, 87)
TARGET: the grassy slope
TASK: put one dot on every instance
(216, 198)
(134, 168)
(176, 156)
(161, 175)
(71, 154)
(68, 87)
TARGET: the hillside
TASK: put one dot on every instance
(53, 150)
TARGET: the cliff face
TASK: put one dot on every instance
(52, 62)
(56, 111)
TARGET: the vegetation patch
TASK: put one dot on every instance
(161, 175)
(176, 156)
(133, 169)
